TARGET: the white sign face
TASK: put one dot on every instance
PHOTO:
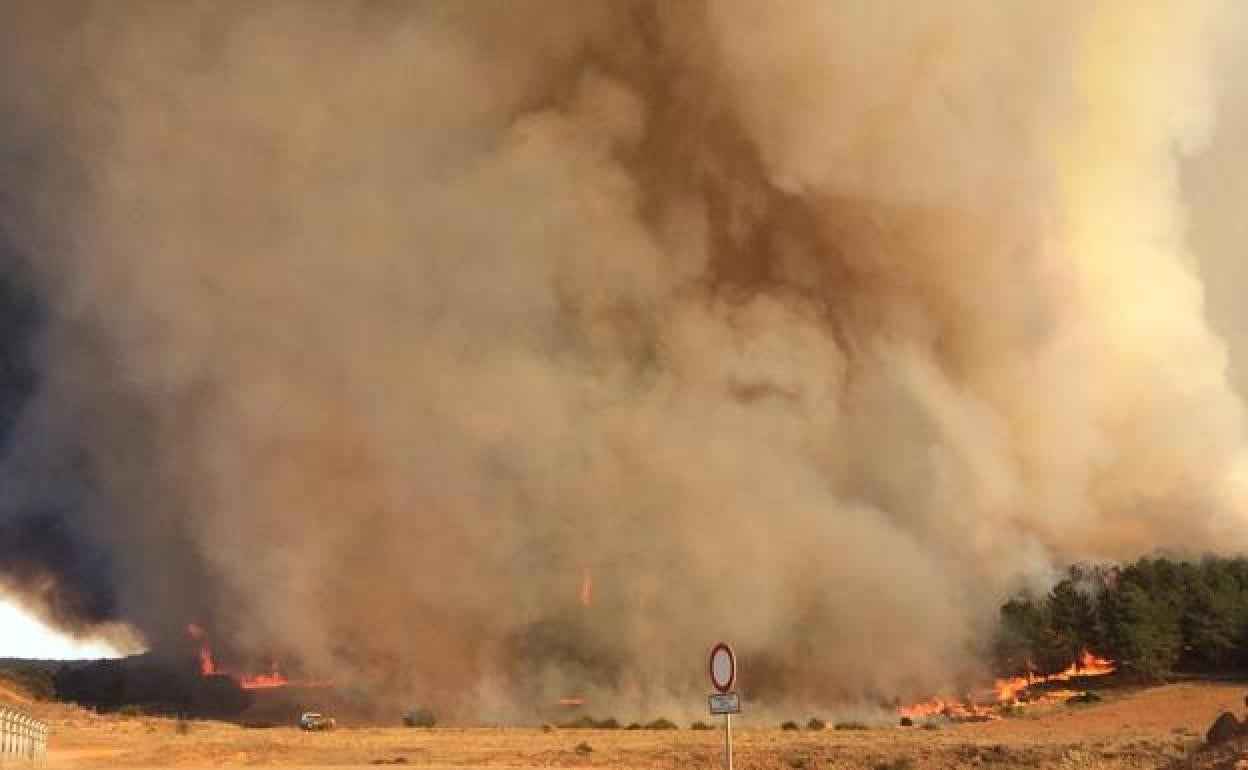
(725, 703)
(723, 667)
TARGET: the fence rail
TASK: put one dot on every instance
(22, 738)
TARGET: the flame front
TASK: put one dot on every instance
(964, 708)
(275, 678)
(1006, 691)
(208, 666)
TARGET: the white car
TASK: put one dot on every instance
(314, 721)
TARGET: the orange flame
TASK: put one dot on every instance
(586, 594)
(207, 666)
(1006, 691)
(949, 708)
(275, 678)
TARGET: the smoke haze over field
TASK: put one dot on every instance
(359, 332)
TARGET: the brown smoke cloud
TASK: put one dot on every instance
(368, 327)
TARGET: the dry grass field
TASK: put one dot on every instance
(1148, 728)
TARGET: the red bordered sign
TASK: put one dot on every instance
(723, 667)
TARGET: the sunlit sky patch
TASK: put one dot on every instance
(23, 636)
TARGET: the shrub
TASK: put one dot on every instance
(816, 723)
(584, 748)
(789, 725)
(1083, 698)
(700, 725)
(661, 724)
(419, 717)
(633, 726)
(580, 723)
(850, 726)
(589, 723)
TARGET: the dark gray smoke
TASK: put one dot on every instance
(365, 330)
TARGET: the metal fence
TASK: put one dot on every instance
(23, 738)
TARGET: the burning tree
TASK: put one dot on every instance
(1047, 636)
(1151, 617)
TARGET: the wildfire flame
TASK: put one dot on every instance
(275, 678)
(209, 667)
(586, 594)
(1006, 691)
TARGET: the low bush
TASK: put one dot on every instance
(580, 723)
(1083, 699)
(419, 717)
(589, 723)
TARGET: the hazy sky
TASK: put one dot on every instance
(21, 636)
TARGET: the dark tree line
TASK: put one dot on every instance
(1151, 618)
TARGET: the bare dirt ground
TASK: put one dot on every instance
(1145, 728)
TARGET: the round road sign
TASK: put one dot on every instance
(723, 667)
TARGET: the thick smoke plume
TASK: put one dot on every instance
(363, 332)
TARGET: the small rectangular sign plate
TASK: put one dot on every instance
(727, 703)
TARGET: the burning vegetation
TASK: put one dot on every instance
(151, 683)
(463, 352)
(1144, 621)
(270, 679)
(1153, 618)
(987, 703)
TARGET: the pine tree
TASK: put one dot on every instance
(1072, 621)
(1142, 635)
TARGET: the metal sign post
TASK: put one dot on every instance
(723, 668)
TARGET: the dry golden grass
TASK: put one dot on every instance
(1130, 729)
